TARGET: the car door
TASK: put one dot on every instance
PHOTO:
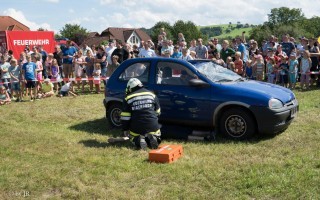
(181, 102)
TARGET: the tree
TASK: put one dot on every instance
(189, 30)
(155, 30)
(74, 32)
(284, 15)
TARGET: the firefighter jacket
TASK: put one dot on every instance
(140, 112)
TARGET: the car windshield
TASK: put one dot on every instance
(217, 73)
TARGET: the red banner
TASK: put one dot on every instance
(18, 40)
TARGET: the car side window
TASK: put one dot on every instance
(173, 74)
(136, 70)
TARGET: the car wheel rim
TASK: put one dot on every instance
(115, 116)
(236, 126)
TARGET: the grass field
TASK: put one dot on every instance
(234, 33)
(56, 149)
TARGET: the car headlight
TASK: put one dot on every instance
(275, 104)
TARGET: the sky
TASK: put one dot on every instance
(98, 15)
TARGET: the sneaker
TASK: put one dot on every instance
(143, 143)
(153, 141)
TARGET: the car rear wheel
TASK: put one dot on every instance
(113, 115)
(238, 124)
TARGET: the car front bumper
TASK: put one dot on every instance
(272, 121)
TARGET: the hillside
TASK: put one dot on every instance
(225, 30)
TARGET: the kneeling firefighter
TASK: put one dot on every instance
(139, 117)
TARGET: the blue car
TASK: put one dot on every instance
(204, 95)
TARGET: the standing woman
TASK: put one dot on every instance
(89, 68)
(101, 58)
(79, 62)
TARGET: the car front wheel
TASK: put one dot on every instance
(113, 115)
(238, 124)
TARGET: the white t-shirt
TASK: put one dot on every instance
(144, 53)
(66, 87)
(109, 51)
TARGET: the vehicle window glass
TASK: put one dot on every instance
(173, 74)
(136, 70)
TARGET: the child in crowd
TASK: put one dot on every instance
(305, 66)
(39, 68)
(48, 63)
(96, 76)
(185, 54)
(163, 33)
(89, 68)
(193, 54)
(249, 70)
(232, 66)
(113, 66)
(29, 77)
(238, 64)
(271, 70)
(54, 73)
(14, 72)
(67, 89)
(259, 67)
(228, 61)
(46, 89)
(218, 59)
(284, 68)
(176, 52)
(4, 96)
(293, 69)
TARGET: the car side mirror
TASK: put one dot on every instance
(198, 83)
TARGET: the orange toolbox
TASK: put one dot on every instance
(166, 153)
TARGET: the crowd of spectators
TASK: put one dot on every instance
(39, 74)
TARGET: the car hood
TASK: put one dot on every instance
(254, 88)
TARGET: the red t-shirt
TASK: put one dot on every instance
(238, 66)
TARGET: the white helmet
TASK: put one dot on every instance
(132, 83)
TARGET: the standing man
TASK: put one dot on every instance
(139, 117)
(68, 52)
(201, 50)
(242, 49)
(122, 53)
(109, 50)
(44, 56)
(146, 52)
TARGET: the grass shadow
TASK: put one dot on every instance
(97, 126)
(99, 144)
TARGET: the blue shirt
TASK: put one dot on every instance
(68, 51)
(242, 49)
(176, 55)
(29, 70)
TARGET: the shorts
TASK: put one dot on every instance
(67, 69)
(15, 86)
(64, 93)
(283, 79)
(30, 84)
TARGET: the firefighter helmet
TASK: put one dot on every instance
(132, 84)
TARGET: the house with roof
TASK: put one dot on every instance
(7, 23)
(132, 36)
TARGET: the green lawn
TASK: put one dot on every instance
(56, 149)
(233, 34)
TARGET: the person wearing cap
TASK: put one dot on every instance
(46, 89)
(139, 116)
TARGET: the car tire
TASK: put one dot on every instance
(237, 124)
(113, 115)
